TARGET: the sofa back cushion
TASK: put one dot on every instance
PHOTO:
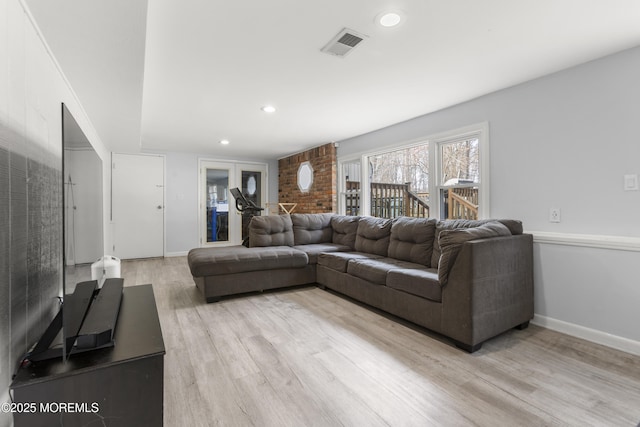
(373, 235)
(451, 242)
(271, 230)
(312, 228)
(514, 226)
(412, 239)
(344, 230)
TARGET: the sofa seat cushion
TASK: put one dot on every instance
(340, 260)
(237, 259)
(316, 249)
(422, 282)
(376, 270)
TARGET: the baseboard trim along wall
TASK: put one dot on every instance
(618, 243)
(175, 254)
(595, 336)
(588, 240)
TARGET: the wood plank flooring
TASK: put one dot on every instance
(308, 357)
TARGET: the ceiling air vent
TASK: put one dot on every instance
(343, 43)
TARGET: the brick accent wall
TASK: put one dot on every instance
(322, 196)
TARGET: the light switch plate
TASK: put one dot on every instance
(631, 183)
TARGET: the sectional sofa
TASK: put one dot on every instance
(468, 280)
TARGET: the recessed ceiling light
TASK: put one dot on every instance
(390, 19)
(224, 141)
(269, 109)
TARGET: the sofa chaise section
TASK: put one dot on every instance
(238, 269)
(269, 262)
(282, 252)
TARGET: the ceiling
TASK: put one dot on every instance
(182, 75)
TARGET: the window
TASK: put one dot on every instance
(399, 183)
(462, 180)
(459, 178)
(305, 177)
(350, 191)
(443, 176)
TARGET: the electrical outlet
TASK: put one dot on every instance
(554, 215)
(631, 182)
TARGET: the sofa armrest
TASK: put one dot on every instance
(490, 289)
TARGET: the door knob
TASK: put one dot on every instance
(159, 206)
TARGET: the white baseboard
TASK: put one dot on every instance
(593, 335)
(174, 254)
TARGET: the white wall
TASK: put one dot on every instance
(565, 140)
(33, 87)
(181, 205)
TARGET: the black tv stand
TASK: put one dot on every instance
(120, 384)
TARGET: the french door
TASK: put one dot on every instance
(221, 224)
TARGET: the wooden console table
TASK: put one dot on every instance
(117, 386)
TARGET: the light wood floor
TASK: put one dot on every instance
(307, 357)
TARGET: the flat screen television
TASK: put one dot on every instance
(82, 237)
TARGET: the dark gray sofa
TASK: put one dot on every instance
(468, 280)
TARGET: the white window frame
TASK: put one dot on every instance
(342, 190)
(436, 141)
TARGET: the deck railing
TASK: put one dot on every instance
(352, 198)
(393, 200)
(416, 205)
(462, 203)
(387, 200)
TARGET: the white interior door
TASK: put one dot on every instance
(137, 205)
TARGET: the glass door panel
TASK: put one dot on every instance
(252, 180)
(216, 206)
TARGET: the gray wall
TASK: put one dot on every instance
(30, 243)
(565, 140)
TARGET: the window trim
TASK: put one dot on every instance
(342, 191)
(480, 131)
(435, 142)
